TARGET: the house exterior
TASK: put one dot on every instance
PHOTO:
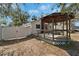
(42, 25)
(36, 26)
(75, 25)
(56, 24)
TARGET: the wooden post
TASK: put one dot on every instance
(55, 27)
(53, 30)
(44, 30)
(63, 28)
(69, 29)
(48, 29)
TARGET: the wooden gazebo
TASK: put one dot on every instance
(54, 18)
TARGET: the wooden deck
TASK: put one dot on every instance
(58, 39)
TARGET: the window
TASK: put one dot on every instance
(37, 26)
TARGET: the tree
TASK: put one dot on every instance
(68, 7)
(20, 17)
(16, 14)
(34, 17)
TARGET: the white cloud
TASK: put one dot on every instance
(33, 11)
(44, 7)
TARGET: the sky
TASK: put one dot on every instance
(37, 9)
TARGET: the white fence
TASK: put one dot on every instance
(9, 33)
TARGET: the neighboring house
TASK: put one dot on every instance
(36, 25)
(3, 25)
(3, 22)
(27, 25)
(75, 25)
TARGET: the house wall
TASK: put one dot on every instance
(9, 33)
(34, 30)
(49, 26)
(59, 26)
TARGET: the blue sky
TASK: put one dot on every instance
(36, 9)
(41, 8)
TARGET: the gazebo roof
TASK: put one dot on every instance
(57, 17)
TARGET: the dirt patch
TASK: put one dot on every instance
(32, 47)
(75, 36)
